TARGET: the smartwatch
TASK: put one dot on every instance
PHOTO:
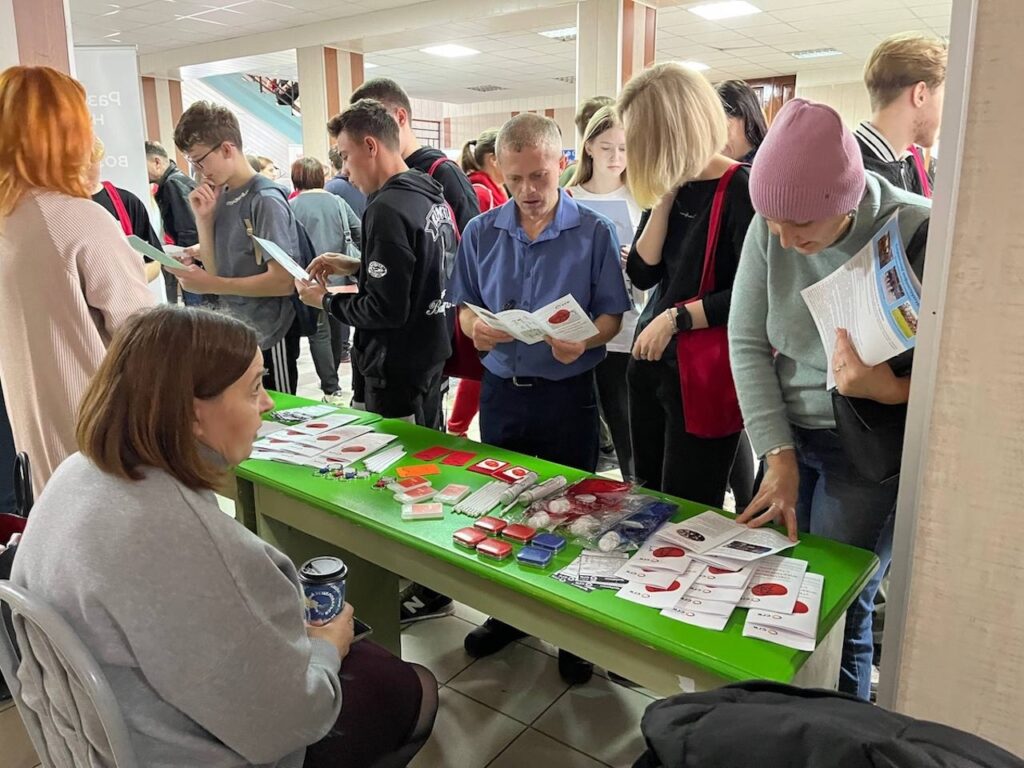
(684, 320)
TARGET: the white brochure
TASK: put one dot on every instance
(269, 428)
(661, 554)
(563, 319)
(141, 246)
(324, 423)
(775, 584)
(356, 449)
(305, 413)
(657, 597)
(327, 440)
(279, 445)
(283, 457)
(875, 296)
(701, 533)
(794, 630)
(684, 613)
(718, 578)
(638, 574)
(697, 604)
(752, 544)
(277, 253)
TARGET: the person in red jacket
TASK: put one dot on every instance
(481, 167)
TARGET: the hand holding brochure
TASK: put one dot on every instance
(155, 254)
(274, 251)
(563, 319)
(875, 296)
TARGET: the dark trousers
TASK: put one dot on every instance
(7, 454)
(836, 502)
(741, 477)
(388, 712)
(281, 362)
(614, 394)
(553, 420)
(665, 456)
(415, 398)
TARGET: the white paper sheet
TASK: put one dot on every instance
(323, 424)
(357, 449)
(277, 253)
(638, 574)
(701, 533)
(563, 319)
(794, 630)
(775, 584)
(753, 544)
(710, 621)
(660, 554)
(657, 597)
(875, 296)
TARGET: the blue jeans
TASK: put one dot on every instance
(839, 504)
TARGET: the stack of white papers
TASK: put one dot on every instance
(775, 584)
(318, 442)
(721, 542)
(660, 597)
(798, 629)
(305, 413)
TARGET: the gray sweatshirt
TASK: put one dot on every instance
(777, 358)
(196, 622)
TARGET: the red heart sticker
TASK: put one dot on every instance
(329, 438)
(718, 571)
(769, 590)
(352, 448)
(317, 425)
(670, 588)
(669, 552)
(560, 316)
(800, 608)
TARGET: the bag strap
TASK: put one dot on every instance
(122, 212)
(437, 164)
(922, 173)
(707, 278)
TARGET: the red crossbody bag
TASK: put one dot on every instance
(122, 213)
(710, 405)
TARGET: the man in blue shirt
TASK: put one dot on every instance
(538, 399)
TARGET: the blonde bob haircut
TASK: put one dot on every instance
(605, 119)
(675, 123)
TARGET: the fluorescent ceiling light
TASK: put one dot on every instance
(560, 34)
(815, 53)
(696, 65)
(727, 10)
(369, 65)
(450, 51)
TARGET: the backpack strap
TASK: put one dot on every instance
(437, 164)
(268, 189)
(922, 173)
(122, 211)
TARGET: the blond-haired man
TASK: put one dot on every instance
(906, 79)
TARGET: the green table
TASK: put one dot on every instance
(306, 515)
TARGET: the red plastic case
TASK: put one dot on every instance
(518, 532)
(492, 525)
(469, 538)
(495, 549)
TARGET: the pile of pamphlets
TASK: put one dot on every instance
(321, 441)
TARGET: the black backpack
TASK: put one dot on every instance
(307, 316)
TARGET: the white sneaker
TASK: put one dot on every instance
(335, 398)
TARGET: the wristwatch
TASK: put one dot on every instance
(683, 318)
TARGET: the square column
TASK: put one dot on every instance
(327, 78)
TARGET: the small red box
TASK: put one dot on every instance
(492, 525)
(494, 549)
(518, 532)
(469, 537)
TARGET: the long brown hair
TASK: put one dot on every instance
(603, 120)
(138, 409)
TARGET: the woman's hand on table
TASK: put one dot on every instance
(855, 379)
(651, 343)
(776, 500)
(339, 631)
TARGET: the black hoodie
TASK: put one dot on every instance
(456, 187)
(399, 312)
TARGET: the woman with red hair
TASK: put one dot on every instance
(60, 253)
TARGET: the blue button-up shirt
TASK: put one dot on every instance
(498, 267)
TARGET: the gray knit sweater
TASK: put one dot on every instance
(196, 622)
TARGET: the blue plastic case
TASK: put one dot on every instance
(535, 556)
(549, 541)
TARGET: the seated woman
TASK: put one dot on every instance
(196, 622)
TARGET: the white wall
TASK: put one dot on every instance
(8, 37)
(257, 137)
(848, 99)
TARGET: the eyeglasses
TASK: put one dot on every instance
(198, 163)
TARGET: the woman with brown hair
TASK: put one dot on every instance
(196, 622)
(60, 253)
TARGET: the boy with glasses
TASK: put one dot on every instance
(232, 203)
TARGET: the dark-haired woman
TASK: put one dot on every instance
(747, 126)
(196, 622)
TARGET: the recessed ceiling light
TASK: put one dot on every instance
(698, 66)
(370, 65)
(113, 34)
(450, 51)
(815, 53)
(727, 10)
(111, 13)
(566, 34)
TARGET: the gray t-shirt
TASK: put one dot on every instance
(272, 219)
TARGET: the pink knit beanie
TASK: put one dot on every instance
(809, 167)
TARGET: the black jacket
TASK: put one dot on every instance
(769, 725)
(172, 193)
(138, 215)
(399, 312)
(902, 173)
(457, 189)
